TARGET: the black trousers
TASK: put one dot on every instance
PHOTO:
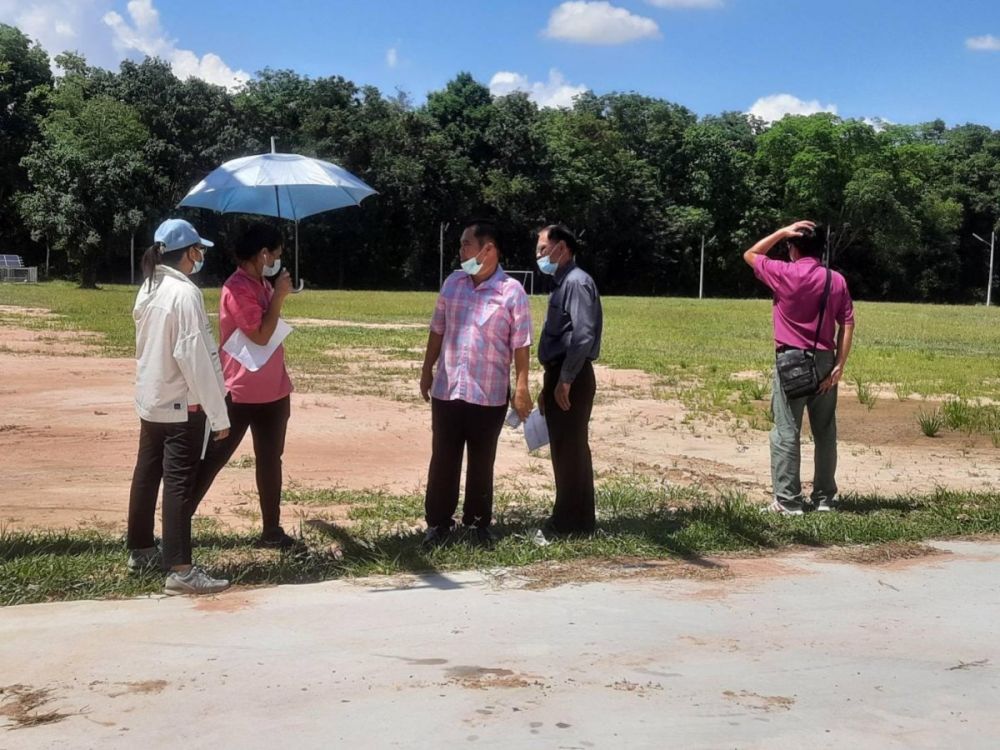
(569, 444)
(169, 452)
(268, 424)
(455, 426)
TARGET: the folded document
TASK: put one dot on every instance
(254, 356)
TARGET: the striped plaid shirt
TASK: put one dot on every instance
(481, 326)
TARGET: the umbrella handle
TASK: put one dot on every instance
(302, 285)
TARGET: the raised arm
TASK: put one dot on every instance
(762, 246)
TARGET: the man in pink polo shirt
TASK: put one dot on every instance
(798, 286)
(481, 322)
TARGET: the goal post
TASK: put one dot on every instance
(527, 279)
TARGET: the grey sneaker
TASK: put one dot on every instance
(195, 581)
(782, 509)
(147, 558)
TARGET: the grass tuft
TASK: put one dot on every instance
(930, 422)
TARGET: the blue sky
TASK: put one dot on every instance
(902, 61)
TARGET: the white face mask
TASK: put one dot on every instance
(472, 266)
(198, 264)
(272, 270)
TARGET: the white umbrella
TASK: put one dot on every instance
(287, 186)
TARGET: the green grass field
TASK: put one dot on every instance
(691, 346)
(692, 349)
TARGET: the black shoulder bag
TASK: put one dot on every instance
(797, 367)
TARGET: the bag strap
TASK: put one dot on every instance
(822, 308)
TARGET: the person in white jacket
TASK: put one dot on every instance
(180, 399)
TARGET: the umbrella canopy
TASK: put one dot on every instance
(287, 186)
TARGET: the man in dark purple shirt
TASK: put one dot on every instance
(798, 286)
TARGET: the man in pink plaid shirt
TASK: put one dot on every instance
(481, 322)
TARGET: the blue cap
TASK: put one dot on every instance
(176, 234)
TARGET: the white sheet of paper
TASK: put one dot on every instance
(536, 432)
(204, 443)
(254, 356)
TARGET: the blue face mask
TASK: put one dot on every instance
(546, 266)
(472, 266)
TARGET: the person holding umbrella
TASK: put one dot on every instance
(178, 388)
(258, 397)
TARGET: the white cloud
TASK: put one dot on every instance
(985, 43)
(104, 37)
(878, 124)
(556, 92)
(686, 4)
(776, 106)
(392, 57)
(598, 23)
(146, 36)
(62, 25)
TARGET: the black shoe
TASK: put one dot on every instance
(436, 536)
(551, 531)
(277, 539)
(484, 537)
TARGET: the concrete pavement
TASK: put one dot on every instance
(790, 652)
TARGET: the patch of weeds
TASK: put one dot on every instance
(957, 413)
(756, 390)
(866, 394)
(246, 461)
(930, 422)
(972, 417)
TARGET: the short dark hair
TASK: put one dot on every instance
(561, 233)
(255, 238)
(810, 243)
(485, 229)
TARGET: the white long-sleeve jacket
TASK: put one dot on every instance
(177, 360)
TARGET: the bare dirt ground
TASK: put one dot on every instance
(68, 434)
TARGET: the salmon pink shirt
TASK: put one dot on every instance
(242, 306)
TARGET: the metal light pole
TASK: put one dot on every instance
(989, 281)
(701, 269)
(444, 228)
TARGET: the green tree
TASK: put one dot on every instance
(88, 174)
(25, 78)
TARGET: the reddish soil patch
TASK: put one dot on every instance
(68, 435)
(227, 603)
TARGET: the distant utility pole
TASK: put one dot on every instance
(444, 228)
(701, 269)
(989, 281)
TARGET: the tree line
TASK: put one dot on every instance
(94, 159)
